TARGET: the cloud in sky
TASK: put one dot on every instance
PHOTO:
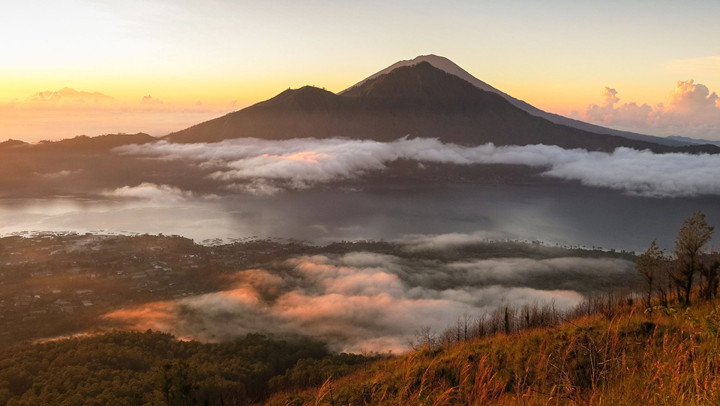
(150, 191)
(266, 167)
(690, 110)
(364, 301)
(67, 95)
(149, 100)
(59, 174)
(66, 113)
(443, 242)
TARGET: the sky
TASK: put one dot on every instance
(165, 65)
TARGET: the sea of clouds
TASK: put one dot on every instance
(267, 167)
(364, 301)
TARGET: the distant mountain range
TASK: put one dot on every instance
(689, 140)
(426, 97)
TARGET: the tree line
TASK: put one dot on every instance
(151, 368)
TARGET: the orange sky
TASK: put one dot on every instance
(211, 57)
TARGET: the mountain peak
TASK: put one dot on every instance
(423, 86)
(450, 67)
(437, 61)
(306, 98)
(428, 96)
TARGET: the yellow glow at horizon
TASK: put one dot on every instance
(244, 87)
(245, 90)
(232, 57)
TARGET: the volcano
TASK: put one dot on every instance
(411, 100)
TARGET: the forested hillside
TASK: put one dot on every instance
(125, 368)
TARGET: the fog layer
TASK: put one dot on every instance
(365, 301)
(266, 167)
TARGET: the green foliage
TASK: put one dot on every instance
(312, 372)
(153, 368)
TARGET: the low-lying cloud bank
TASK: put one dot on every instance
(451, 240)
(266, 167)
(150, 191)
(155, 193)
(365, 301)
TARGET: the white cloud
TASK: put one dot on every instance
(265, 167)
(450, 240)
(258, 187)
(644, 173)
(150, 191)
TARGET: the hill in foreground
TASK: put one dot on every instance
(669, 357)
(622, 356)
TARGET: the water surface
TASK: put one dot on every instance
(557, 213)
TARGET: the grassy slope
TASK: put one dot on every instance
(633, 358)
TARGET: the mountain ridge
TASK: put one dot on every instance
(417, 101)
(449, 66)
(694, 141)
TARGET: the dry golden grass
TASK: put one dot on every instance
(667, 357)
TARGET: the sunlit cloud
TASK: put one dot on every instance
(364, 301)
(267, 167)
(156, 315)
(691, 110)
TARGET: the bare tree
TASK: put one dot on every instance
(649, 265)
(692, 237)
(425, 337)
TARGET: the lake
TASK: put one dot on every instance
(561, 213)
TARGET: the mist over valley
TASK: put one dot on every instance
(356, 296)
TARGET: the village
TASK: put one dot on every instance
(54, 285)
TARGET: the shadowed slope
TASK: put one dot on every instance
(450, 67)
(415, 101)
